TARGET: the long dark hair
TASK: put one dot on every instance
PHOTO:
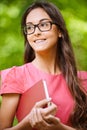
(66, 62)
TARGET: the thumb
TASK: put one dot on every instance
(42, 103)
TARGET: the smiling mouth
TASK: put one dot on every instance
(40, 41)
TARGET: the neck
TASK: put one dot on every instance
(47, 62)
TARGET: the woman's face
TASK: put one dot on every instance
(41, 41)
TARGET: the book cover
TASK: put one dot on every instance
(28, 99)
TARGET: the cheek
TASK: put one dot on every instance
(29, 39)
(54, 32)
(54, 36)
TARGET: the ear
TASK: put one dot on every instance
(60, 35)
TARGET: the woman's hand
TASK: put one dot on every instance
(53, 123)
(38, 113)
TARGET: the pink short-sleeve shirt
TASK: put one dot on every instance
(19, 79)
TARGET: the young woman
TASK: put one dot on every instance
(48, 55)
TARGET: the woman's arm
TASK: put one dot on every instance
(7, 113)
(8, 110)
(23, 125)
(39, 117)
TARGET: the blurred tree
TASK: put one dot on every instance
(11, 40)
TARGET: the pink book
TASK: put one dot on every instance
(28, 99)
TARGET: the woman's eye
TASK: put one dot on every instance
(44, 24)
(30, 27)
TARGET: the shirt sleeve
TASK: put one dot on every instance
(12, 81)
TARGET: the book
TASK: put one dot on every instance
(28, 99)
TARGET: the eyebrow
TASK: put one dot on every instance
(39, 21)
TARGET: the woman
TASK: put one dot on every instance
(48, 55)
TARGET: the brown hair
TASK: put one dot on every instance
(66, 62)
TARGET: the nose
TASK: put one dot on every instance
(37, 30)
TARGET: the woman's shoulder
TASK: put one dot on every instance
(13, 71)
(12, 79)
(82, 75)
(9, 72)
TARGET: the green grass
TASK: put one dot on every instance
(15, 122)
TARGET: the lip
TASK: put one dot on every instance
(39, 41)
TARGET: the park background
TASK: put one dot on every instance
(11, 39)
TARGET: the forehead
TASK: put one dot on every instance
(36, 15)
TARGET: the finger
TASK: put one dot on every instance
(50, 110)
(39, 122)
(42, 103)
(34, 117)
(52, 119)
(39, 116)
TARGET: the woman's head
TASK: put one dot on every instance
(55, 16)
(42, 32)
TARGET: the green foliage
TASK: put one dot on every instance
(11, 40)
(15, 121)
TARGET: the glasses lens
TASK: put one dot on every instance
(28, 29)
(45, 26)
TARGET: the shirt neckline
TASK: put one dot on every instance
(44, 73)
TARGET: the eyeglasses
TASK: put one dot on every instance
(42, 26)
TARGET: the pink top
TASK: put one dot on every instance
(20, 79)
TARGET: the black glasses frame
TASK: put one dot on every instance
(37, 25)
